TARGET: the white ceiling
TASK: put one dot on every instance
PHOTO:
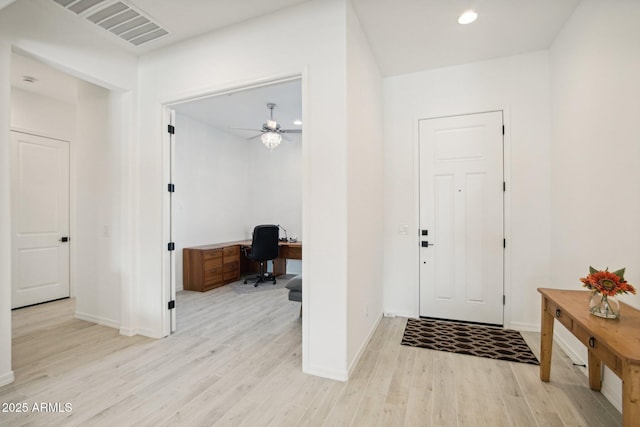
(405, 36)
(49, 81)
(247, 109)
(412, 35)
(187, 18)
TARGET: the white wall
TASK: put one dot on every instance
(96, 178)
(275, 189)
(6, 374)
(595, 64)
(41, 115)
(365, 190)
(275, 185)
(46, 31)
(234, 57)
(211, 198)
(519, 85)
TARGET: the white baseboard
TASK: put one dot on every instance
(611, 388)
(97, 319)
(525, 327)
(573, 355)
(7, 378)
(400, 314)
(327, 373)
(115, 325)
(360, 352)
(128, 332)
(150, 333)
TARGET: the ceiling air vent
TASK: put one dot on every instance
(117, 17)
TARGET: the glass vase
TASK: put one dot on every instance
(604, 306)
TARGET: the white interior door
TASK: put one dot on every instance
(461, 218)
(40, 219)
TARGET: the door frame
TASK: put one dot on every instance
(506, 120)
(168, 261)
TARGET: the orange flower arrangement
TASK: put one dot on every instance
(606, 282)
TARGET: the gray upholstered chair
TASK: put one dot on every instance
(295, 290)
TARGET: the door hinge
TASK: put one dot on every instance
(504, 186)
(503, 129)
(171, 129)
(171, 188)
(171, 246)
(504, 300)
(504, 243)
(171, 305)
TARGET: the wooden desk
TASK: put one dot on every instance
(614, 342)
(209, 266)
(288, 250)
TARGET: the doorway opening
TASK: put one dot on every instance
(67, 185)
(222, 180)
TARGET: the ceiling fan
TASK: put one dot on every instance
(271, 132)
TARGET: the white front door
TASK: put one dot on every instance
(40, 219)
(461, 217)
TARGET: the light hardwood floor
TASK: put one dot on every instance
(236, 361)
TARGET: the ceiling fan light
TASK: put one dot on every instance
(271, 140)
(272, 124)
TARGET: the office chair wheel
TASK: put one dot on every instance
(245, 281)
(274, 280)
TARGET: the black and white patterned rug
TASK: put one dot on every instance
(474, 340)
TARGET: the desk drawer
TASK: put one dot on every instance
(560, 315)
(231, 252)
(602, 352)
(212, 254)
(294, 252)
(212, 273)
(212, 263)
(231, 267)
(231, 272)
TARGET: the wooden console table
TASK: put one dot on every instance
(614, 342)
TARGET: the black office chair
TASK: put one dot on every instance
(264, 247)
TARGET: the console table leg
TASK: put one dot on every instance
(630, 394)
(595, 372)
(546, 342)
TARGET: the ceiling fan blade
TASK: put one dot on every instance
(291, 130)
(254, 136)
(252, 130)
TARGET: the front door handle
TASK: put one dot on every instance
(426, 244)
(64, 239)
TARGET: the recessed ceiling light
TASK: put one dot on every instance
(29, 79)
(468, 17)
(298, 122)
